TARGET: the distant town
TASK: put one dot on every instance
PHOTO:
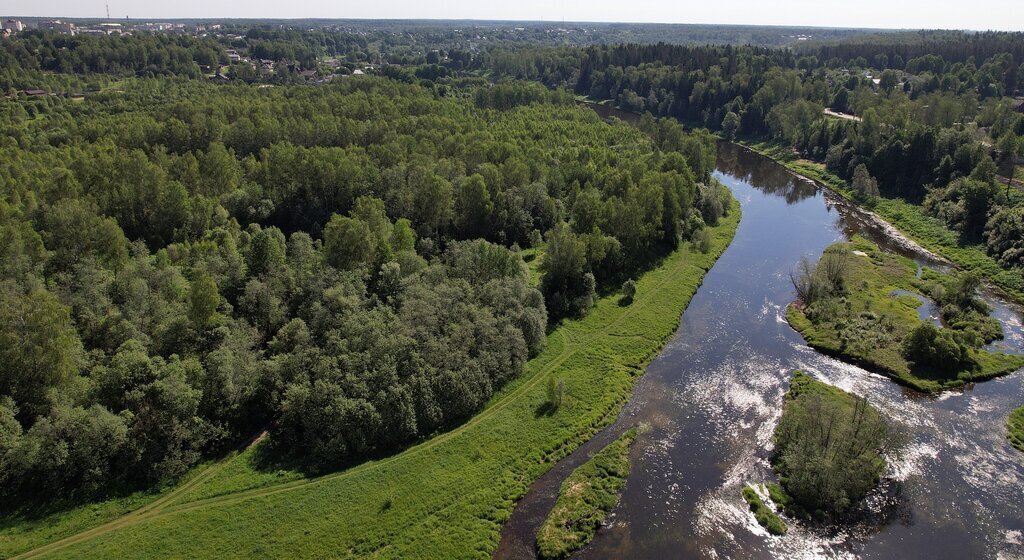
(14, 26)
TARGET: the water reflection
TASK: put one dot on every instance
(741, 164)
(712, 400)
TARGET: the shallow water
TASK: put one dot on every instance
(713, 396)
(927, 311)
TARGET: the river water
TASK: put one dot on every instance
(711, 400)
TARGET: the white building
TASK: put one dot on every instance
(13, 25)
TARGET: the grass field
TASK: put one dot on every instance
(911, 219)
(585, 499)
(1016, 426)
(868, 324)
(444, 498)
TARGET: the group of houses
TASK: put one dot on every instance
(13, 26)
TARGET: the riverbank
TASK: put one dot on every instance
(448, 496)
(908, 219)
(868, 322)
(585, 499)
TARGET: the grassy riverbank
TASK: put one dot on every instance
(444, 498)
(867, 324)
(911, 220)
(1016, 427)
(585, 499)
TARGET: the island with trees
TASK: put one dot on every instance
(861, 304)
(830, 452)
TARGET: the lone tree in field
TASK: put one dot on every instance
(556, 390)
(628, 291)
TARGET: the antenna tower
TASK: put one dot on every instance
(108, 10)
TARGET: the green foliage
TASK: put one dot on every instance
(929, 346)
(863, 322)
(204, 299)
(240, 256)
(556, 393)
(1015, 425)
(39, 349)
(829, 446)
(585, 499)
(466, 480)
(764, 514)
(1004, 235)
(864, 184)
(628, 290)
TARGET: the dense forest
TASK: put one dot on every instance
(907, 121)
(188, 263)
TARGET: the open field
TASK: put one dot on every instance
(443, 498)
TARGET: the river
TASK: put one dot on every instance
(711, 400)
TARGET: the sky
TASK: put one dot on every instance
(1007, 15)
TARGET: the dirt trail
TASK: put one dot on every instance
(147, 510)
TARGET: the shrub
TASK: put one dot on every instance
(938, 348)
(628, 291)
(702, 240)
(764, 514)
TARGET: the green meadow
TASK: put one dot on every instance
(446, 497)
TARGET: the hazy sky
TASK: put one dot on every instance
(959, 14)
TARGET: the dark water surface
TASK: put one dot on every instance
(711, 400)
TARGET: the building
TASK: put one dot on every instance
(58, 26)
(109, 28)
(13, 25)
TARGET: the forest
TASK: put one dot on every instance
(928, 117)
(199, 253)
(187, 264)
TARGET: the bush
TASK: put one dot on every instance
(764, 514)
(929, 346)
(702, 240)
(628, 291)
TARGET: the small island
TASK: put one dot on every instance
(585, 499)
(822, 477)
(1016, 427)
(868, 307)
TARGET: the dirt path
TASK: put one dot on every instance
(147, 510)
(839, 115)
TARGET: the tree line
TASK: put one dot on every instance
(186, 263)
(930, 126)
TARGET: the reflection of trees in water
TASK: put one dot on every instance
(763, 173)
